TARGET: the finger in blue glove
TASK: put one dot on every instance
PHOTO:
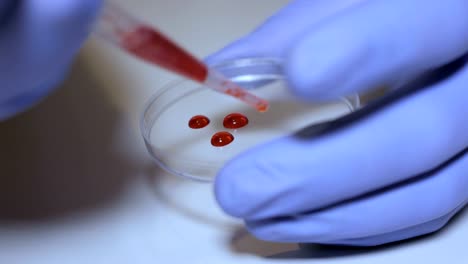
(38, 43)
(352, 50)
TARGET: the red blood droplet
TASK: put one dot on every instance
(221, 139)
(198, 121)
(235, 121)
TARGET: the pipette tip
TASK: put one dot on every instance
(219, 83)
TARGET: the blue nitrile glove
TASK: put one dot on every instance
(334, 48)
(38, 41)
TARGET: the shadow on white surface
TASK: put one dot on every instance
(195, 202)
(242, 242)
(60, 157)
(316, 251)
(191, 200)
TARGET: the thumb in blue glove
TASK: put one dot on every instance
(38, 41)
(338, 48)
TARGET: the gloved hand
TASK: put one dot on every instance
(38, 41)
(338, 47)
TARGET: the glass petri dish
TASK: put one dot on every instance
(187, 152)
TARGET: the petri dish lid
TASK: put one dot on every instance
(187, 152)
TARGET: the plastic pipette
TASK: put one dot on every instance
(139, 39)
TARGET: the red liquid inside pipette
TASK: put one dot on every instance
(153, 47)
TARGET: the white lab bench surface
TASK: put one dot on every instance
(77, 185)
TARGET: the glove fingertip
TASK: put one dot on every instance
(237, 185)
(227, 191)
